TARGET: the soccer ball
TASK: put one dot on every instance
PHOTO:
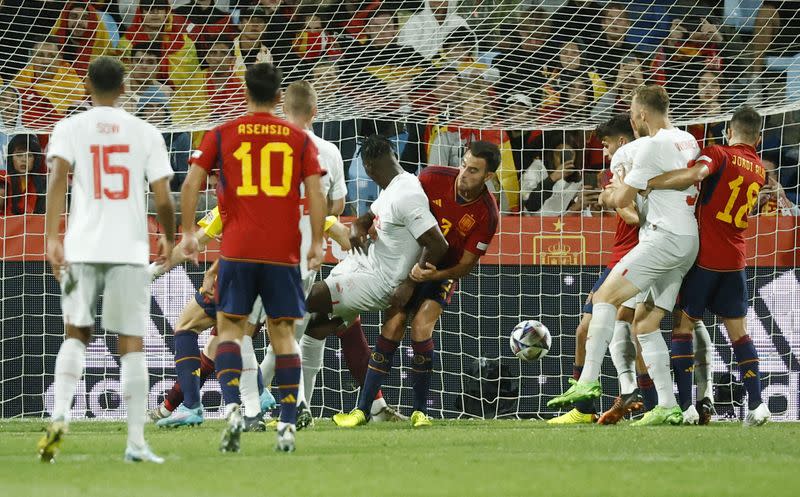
(530, 340)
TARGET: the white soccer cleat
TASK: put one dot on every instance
(286, 434)
(233, 430)
(142, 454)
(691, 416)
(387, 414)
(757, 416)
(158, 413)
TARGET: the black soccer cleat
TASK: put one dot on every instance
(304, 417)
(705, 408)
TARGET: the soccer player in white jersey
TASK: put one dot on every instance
(300, 108)
(373, 278)
(111, 155)
(667, 249)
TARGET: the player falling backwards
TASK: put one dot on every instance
(467, 214)
(655, 268)
(111, 155)
(731, 177)
(376, 278)
(263, 160)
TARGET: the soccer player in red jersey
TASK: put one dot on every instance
(467, 215)
(262, 161)
(731, 177)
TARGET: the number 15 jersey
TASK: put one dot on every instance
(727, 195)
(262, 160)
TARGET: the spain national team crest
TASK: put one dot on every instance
(559, 250)
(466, 223)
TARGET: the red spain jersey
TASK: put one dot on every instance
(625, 238)
(727, 197)
(262, 160)
(466, 227)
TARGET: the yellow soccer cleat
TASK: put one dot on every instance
(51, 441)
(354, 418)
(420, 420)
(573, 417)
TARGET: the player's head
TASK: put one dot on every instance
(106, 79)
(380, 160)
(478, 166)
(263, 83)
(300, 102)
(745, 126)
(649, 102)
(615, 132)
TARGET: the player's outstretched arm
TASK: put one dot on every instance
(680, 179)
(629, 214)
(338, 232)
(56, 203)
(317, 210)
(189, 192)
(165, 213)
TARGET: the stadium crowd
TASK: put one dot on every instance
(428, 73)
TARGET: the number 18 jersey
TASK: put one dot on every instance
(262, 160)
(727, 195)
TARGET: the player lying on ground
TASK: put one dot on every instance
(106, 247)
(731, 177)
(260, 251)
(467, 214)
(376, 278)
(655, 268)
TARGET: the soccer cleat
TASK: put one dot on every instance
(577, 392)
(661, 416)
(388, 414)
(623, 405)
(757, 416)
(573, 417)
(233, 431)
(51, 441)
(254, 424)
(141, 454)
(691, 416)
(304, 417)
(271, 425)
(268, 402)
(286, 434)
(182, 416)
(354, 418)
(705, 409)
(420, 420)
(158, 413)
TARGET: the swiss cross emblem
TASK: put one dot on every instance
(466, 223)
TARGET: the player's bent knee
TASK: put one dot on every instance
(194, 318)
(647, 318)
(736, 328)
(684, 325)
(319, 299)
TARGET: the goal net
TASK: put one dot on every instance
(534, 77)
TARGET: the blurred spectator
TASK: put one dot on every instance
(772, 199)
(26, 176)
(282, 26)
(519, 108)
(313, 41)
(351, 17)
(578, 21)
(629, 76)
(249, 47)
(776, 32)
(325, 79)
(23, 22)
(81, 35)
(153, 107)
(178, 63)
(567, 86)
(106, 13)
(606, 52)
(551, 185)
(50, 77)
(10, 119)
(426, 30)
(142, 73)
(3, 191)
(204, 22)
(460, 52)
(708, 103)
(224, 88)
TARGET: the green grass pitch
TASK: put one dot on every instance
(458, 458)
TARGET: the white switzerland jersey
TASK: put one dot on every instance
(333, 188)
(401, 216)
(622, 163)
(668, 150)
(113, 155)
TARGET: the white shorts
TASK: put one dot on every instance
(357, 287)
(657, 265)
(259, 315)
(126, 296)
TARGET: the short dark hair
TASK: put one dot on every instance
(253, 13)
(653, 97)
(746, 121)
(146, 5)
(375, 147)
(152, 48)
(618, 125)
(107, 74)
(263, 82)
(487, 151)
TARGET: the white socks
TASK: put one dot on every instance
(703, 359)
(248, 382)
(601, 329)
(69, 369)
(135, 385)
(656, 356)
(623, 354)
(312, 351)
